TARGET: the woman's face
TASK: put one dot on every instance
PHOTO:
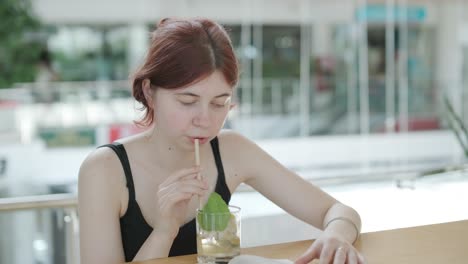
(196, 111)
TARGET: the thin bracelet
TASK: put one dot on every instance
(346, 220)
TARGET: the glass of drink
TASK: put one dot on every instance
(218, 235)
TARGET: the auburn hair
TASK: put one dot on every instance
(182, 52)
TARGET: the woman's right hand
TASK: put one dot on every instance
(174, 195)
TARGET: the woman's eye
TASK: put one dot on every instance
(218, 105)
(187, 103)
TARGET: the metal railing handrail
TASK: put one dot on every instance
(66, 201)
(63, 200)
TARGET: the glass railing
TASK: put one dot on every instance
(39, 229)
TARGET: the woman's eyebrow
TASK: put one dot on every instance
(223, 95)
(196, 95)
(187, 94)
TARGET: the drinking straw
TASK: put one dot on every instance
(197, 162)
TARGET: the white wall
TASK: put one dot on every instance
(266, 11)
(313, 157)
(308, 155)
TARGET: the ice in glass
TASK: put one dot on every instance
(218, 235)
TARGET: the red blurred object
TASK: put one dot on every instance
(416, 124)
(8, 104)
(421, 123)
(117, 131)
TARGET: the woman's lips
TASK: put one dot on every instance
(201, 140)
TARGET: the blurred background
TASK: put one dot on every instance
(367, 99)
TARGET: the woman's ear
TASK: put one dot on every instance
(147, 90)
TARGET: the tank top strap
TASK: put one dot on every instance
(119, 150)
(221, 186)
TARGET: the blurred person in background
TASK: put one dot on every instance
(44, 76)
(138, 196)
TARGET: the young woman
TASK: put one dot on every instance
(138, 197)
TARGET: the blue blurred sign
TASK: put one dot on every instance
(378, 13)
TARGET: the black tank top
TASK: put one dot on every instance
(133, 226)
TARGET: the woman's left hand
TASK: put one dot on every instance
(331, 250)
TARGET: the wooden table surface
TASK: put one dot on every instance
(438, 243)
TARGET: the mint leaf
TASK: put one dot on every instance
(215, 214)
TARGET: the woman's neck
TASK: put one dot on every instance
(170, 155)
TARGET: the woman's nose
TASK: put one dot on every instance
(202, 118)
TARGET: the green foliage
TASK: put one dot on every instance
(19, 47)
(215, 215)
(281, 69)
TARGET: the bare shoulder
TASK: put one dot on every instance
(99, 159)
(234, 141)
(240, 146)
(100, 204)
(240, 154)
(249, 159)
(102, 168)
